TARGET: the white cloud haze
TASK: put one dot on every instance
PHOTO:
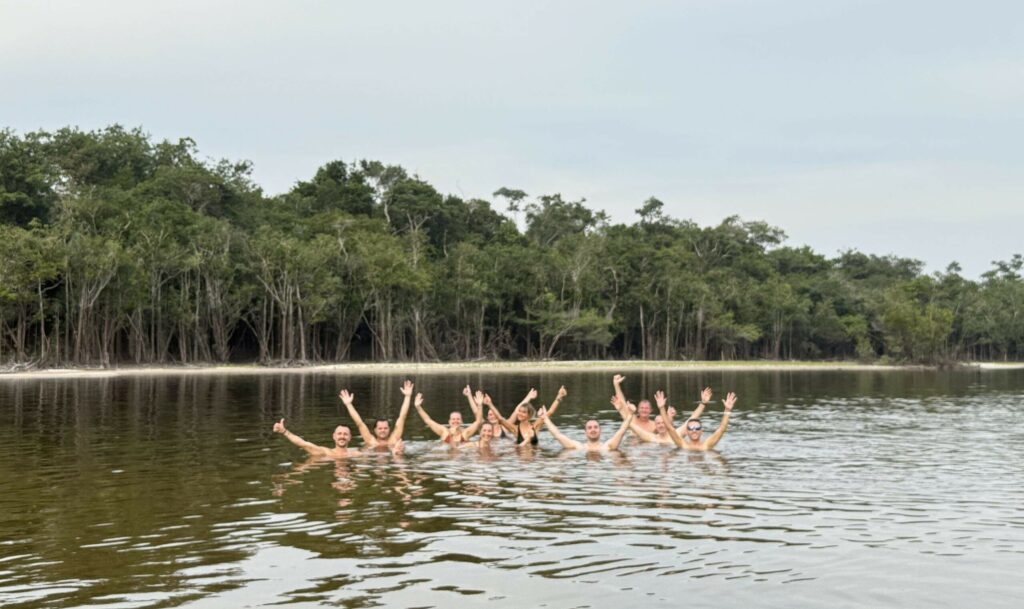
(888, 127)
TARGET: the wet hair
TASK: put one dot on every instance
(377, 422)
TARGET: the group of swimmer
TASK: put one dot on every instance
(523, 425)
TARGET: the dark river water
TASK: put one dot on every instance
(830, 489)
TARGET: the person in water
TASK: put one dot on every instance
(643, 422)
(692, 440)
(342, 436)
(454, 434)
(483, 441)
(592, 431)
(660, 434)
(521, 425)
(382, 438)
(498, 431)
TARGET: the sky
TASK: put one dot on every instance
(888, 127)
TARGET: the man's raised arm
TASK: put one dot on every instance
(309, 447)
(730, 401)
(431, 423)
(617, 383)
(396, 433)
(364, 431)
(554, 406)
(659, 398)
(613, 444)
(705, 399)
(562, 438)
(626, 408)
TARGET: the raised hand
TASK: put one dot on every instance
(478, 397)
(418, 402)
(730, 401)
(617, 379)
(659, 397)
(346, 397)
(562, 392)
(531, 395)
(631, 406)
(542, 413)
(406, 388)
(279, 427)
(466, 391)
(705, 395)
(488, 400)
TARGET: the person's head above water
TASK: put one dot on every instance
(592, 429)
(524, 412)
(455, 419)
(659, 425)
(694, 430)
(342, 436)
(643, 410)
(382, 430)
(486, 433)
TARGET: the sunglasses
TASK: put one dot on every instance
(693, 428)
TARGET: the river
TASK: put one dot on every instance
(837, 489)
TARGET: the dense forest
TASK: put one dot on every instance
(118, 249)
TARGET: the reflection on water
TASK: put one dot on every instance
(849, 489)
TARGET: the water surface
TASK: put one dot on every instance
(839, 489)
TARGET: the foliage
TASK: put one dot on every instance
(118, 248)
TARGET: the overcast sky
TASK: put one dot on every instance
(890, 127)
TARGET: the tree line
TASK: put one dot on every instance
(116, 248)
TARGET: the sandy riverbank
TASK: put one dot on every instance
(440, 368)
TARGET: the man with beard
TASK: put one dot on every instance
(382, 438)
(342, 436)
(592, 431)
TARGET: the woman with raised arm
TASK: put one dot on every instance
(454, 434)
(694, 429)
(497, 431)
(521, 425)
(592, 430)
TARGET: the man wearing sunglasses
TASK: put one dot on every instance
(645, 428)
(691, 439)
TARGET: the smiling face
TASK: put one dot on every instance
(342, 436)
(694, 430)
(455, 420)
(659, 425)
(382, 430)
(643, 410)
(592, 429)
(486, 433)
(492, 418)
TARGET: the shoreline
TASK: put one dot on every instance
(497, 366)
